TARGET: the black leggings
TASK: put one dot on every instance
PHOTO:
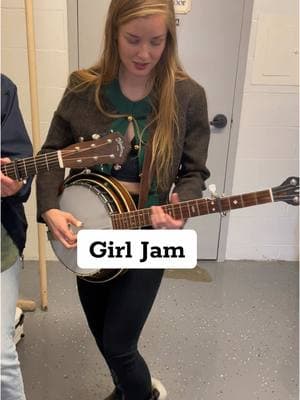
(116, 313)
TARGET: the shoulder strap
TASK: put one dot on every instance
(147, 174)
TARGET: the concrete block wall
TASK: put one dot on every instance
(268, 148)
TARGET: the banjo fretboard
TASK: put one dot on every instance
(192, 208)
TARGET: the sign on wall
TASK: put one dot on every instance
(182, 6)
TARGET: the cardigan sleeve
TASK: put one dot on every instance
(77, 116)
(59, 136)
(193, 171)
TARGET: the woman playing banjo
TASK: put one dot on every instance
(137, 88)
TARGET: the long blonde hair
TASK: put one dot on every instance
(164, 120)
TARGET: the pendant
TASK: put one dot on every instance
(117, 167)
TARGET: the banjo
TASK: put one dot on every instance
(108, 205)
(111, 148)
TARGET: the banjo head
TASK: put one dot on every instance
(91, 205)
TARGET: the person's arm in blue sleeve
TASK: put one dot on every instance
(15, 142)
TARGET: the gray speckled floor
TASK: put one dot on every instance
(226, 331)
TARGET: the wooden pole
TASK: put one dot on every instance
(36, 140)
(26, 305)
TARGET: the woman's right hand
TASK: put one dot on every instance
(60, 222)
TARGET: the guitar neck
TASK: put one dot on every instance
(25, 167)
(192, 208)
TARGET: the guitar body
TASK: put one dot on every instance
(91, 198)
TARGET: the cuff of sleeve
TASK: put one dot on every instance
(46, 206)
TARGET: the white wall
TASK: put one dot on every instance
(268, 149)
(268, 140)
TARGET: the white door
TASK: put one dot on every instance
(209, 38)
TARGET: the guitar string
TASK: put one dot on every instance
(66, 150)
(50, 158)
(41, 161)
(54, 153)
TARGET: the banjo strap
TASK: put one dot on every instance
(147, 174)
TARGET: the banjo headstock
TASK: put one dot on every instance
(288, 191)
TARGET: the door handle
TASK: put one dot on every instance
(219, 121)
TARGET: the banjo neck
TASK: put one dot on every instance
(287, 192)
(193, 208)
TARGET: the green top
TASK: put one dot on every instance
(136, 112)
(9, 251)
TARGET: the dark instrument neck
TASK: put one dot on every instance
(192, 208)
(23, 168)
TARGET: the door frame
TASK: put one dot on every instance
(73, 42)
(236, 114)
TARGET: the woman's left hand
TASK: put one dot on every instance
(162, 220)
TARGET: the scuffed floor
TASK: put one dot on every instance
(225, 331)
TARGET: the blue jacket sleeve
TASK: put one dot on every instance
(15, 142)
